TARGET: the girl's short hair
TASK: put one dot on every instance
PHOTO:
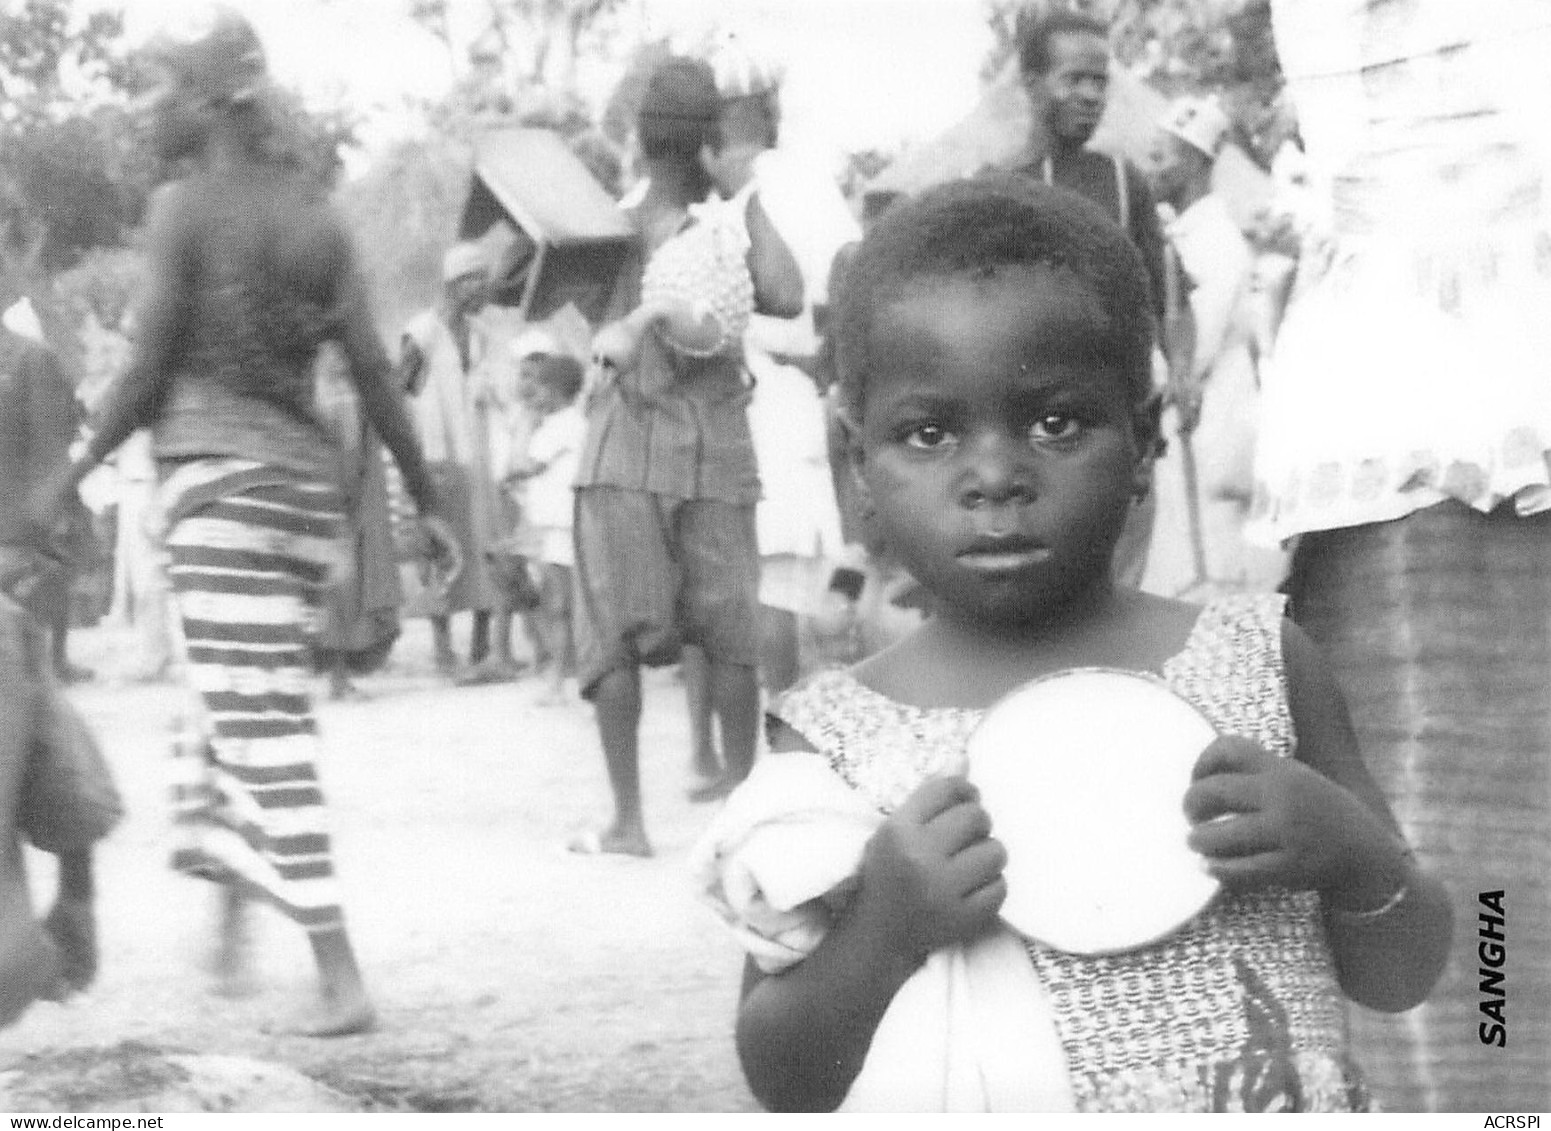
(976, 226)
(679, 109)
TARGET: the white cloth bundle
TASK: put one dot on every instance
(972, 1030)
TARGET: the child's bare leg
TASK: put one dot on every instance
(502, 625)
(557, 680)
(704, 762)
(778, 646)
(735, 697)
(441, 642)
(617, 701)
(345, 1006)
(479, 637)
(72, 923)
(340, 685)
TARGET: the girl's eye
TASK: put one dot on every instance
(1055, 426)
(927, 437)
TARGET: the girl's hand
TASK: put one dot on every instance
(932, 874)
(617, 347)
(1261, 820)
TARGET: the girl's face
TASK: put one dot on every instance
(1001, 456)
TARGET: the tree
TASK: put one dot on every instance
(75, 172)
(70, 178)
(513, 57)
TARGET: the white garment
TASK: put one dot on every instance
(1417, 367)
(798, 516)
(1216, 258)
(448, 422)
(549, 498)
(971, 1030)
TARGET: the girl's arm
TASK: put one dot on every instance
(930, 877)
(1390, 960)
(778, 287)
(1319, 822)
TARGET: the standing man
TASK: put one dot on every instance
(1064, 63)
(1063, 60)
(437, 355)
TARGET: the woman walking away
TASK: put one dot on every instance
(250, 272)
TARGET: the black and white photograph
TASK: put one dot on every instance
(736, 556)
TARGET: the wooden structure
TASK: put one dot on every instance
(556, 236)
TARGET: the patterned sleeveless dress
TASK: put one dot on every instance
(1239, 1010)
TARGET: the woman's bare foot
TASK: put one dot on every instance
(230, 964)
(340, 1017)
(345, 1009)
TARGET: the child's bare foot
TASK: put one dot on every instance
(72, 924)
(553, 694)
(344, 690)
(592, 842)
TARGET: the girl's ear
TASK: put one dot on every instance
(856, 460)
(1147, 430)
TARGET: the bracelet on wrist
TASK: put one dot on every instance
(1395, 899)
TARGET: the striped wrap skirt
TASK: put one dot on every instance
(251, 550)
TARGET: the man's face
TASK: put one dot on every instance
(1072, 94)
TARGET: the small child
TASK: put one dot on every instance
(994, 358)
(56, 793)
(551, 385)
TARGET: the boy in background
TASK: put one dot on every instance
(551, 384)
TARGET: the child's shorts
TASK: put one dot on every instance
(655, 572)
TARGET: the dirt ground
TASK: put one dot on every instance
(509, 974)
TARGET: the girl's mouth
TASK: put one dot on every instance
(1003, 555)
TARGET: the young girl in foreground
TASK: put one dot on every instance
(994, 345)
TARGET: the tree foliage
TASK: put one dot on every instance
(70, 177)
(516, 58)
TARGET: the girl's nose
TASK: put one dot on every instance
(997, 472)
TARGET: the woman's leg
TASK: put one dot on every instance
(244, 569)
